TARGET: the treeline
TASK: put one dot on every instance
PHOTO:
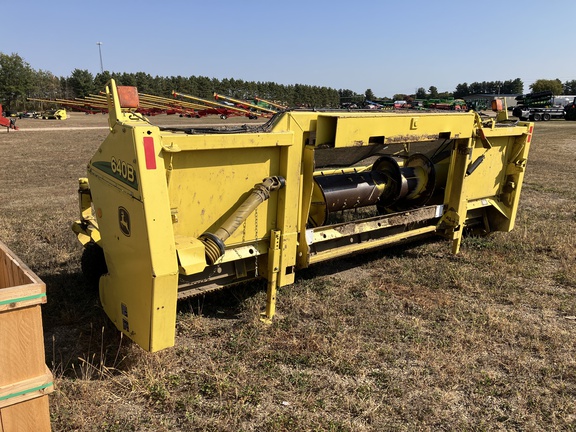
(510, 87)
(82, 84)
(515, 86)
(19, 81)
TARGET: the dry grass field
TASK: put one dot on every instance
(405, 339)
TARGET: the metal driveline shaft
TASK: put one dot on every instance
(214, 242)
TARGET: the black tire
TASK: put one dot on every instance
(546, 116)
(537, 117)
(93, 264)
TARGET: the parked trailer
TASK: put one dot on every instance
(169, 213)
(537, 107)
(538, 114)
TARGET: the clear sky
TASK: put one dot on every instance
(388, 46)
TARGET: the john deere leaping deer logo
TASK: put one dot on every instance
(124, 221)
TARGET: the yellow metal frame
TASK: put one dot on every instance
(153, 197)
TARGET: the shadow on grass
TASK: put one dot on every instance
(405, 250)
(79, 339)
(226, 303)
(229, 303)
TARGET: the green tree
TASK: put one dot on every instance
(555, 86)
(204, 87)
(369, 94)
(126, 79)
(44, 85)
(433, 92)
(101, 79)
(144, 82)
(400, 96)
(461, 91)
(570, 87)
(513, 87)
(495, 87)
(81, 82)
(65, 89)
(16, 79)
(348, 96)
(421, 93)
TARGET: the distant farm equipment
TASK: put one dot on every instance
(8, 123)
(151, 105)
(538, 106)
(257, 110)
(260, 101)
(223, 109)
(55, 114)
(416, 104)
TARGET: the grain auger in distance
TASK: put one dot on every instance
(180, 212)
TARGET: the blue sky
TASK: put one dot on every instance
(388, 46)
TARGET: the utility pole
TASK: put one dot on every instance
(100, 51)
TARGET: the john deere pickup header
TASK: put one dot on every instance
(180, 212)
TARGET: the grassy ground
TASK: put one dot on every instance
(410, 338)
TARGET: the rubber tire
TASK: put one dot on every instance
(93, 264)
(537, 117)
(546, 116)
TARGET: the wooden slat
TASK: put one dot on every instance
(29, 416)
(28, 389)
(22, 296)
(22, 345)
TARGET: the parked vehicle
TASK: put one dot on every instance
(537, 107)
(570, 110)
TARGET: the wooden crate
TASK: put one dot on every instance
(24, 378)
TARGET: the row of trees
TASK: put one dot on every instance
(515, 86)
(19, 81)
(510, 87)
(82, 84)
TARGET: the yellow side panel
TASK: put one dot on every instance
(357, 130)
(206, 186)
(140, 291)
(488, 177)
